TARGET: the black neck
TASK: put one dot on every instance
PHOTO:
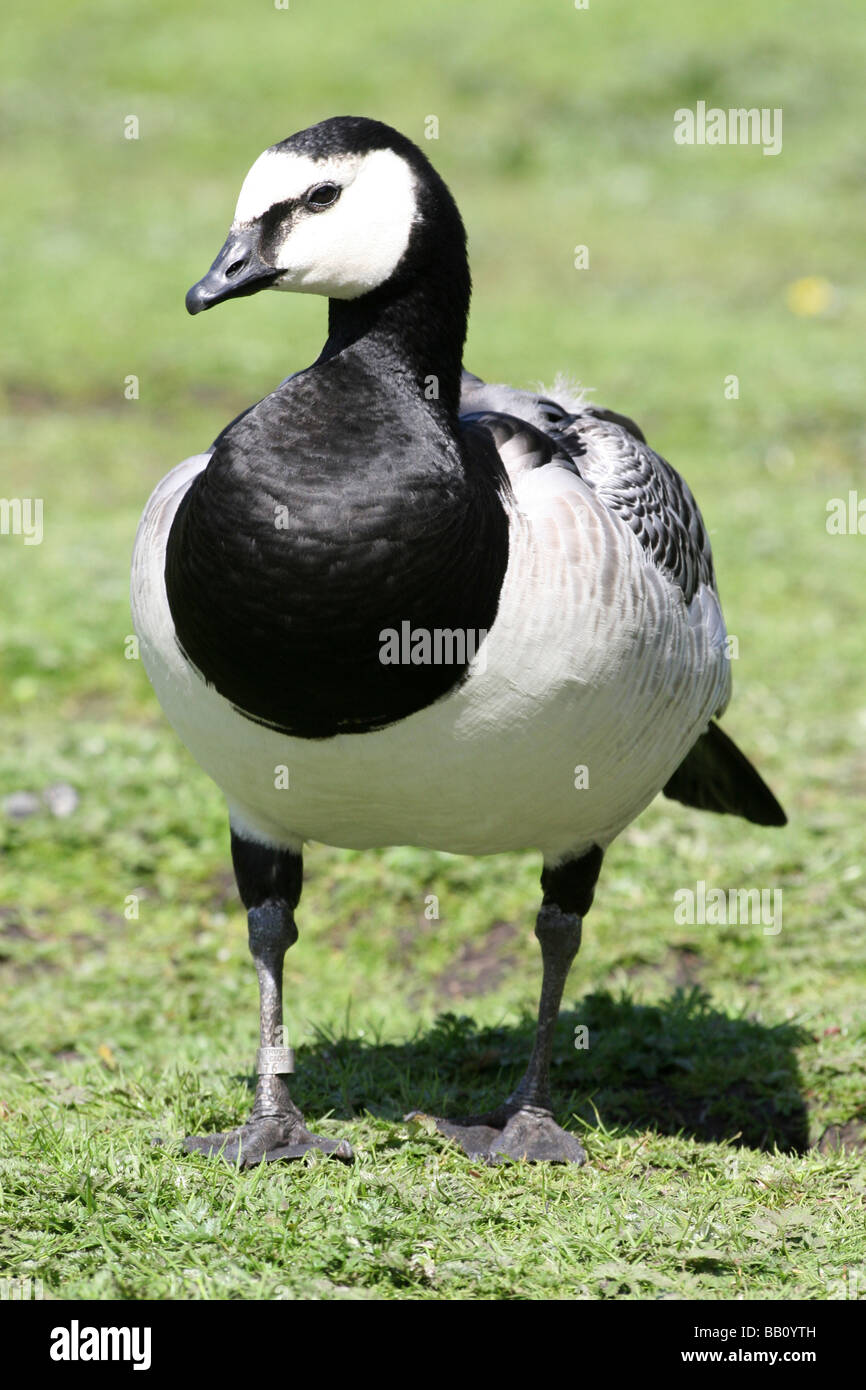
(411, 331)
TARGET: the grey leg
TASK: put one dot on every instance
(523, 1126)
(269, 882)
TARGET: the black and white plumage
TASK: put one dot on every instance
(385, 486)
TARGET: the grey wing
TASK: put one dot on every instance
(611, 455)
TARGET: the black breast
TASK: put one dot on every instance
(313, 531)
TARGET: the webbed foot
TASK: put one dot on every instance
(267, 1139)
(526, 1133)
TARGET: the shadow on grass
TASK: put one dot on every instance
(676, 1067)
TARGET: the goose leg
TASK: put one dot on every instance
(269, 881)
(523, 1127)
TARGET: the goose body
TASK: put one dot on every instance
(593, 660)
(467, 618)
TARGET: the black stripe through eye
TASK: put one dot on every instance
(322, 196)
(276, 215)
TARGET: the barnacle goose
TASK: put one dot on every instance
(290, 586)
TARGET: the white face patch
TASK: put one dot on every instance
(349, 248)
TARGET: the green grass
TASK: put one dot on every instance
(717, 1056)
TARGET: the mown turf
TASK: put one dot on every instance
(717, 1055)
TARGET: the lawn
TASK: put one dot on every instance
(718, 1055)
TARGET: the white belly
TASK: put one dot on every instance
(593, 662)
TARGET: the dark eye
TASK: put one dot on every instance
(322, 196)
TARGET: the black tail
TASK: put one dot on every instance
(716, 776)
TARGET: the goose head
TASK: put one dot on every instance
(340, 209)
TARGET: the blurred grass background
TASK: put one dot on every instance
(555, 130)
